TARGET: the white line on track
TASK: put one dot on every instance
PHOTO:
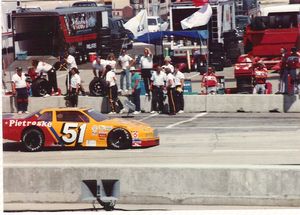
(147, 117)
(239, 128)
(188, 120)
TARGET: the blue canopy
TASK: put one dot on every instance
(156, 37)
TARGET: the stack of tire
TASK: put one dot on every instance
(105, 42)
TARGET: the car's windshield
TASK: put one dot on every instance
(151, 21)
(95, 115)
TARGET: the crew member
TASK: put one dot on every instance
(283, 73)
(19, 88)
(179, 83)
(292, 65)
(41, 67)
(113, 91)
(260, 76)
(70, 62)
(125, 62)
(158, 83)
(146, 65)
(168, 64)
(74, 87)
(171, 91)
(210, 81)
(98, 66)
(136, 89)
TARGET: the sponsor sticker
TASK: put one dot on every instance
(24, 123)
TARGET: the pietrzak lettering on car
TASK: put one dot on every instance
(25, 123)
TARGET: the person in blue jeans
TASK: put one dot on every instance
(125, 62)
(136, 89)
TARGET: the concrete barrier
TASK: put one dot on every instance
(193, 103)
(172, 184)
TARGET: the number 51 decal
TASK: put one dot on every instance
(70, 134)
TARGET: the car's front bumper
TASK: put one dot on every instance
(145, 143)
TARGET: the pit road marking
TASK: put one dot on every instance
(147, 117)
(188, 120)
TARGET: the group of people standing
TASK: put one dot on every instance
(289, 80)
(157, 80)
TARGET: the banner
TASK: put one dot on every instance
(198, 3)
(199, 18)
(138, 25)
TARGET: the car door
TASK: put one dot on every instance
(72, 128)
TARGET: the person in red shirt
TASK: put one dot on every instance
(210, 81)
(260, 77)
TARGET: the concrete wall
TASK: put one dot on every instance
(237, 185)
(193, 103)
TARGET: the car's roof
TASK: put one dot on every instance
(66, 109)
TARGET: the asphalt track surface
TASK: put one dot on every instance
(189, 139)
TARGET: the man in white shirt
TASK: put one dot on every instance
(125, 62)
(70, 62)
(19, 88)
(171, 91)
(40, 68)
(98, 66)
(158, 83)
(113, 91)
(74, 86)
(146, 65)
(179, 83)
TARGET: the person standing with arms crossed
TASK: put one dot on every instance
(19, 88)
(74, 87)
(146, 65)
(113, 91)
(179, 83)
(158, 83)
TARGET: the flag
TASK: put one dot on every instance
(138, 25)
(199, 18)
(198, 3)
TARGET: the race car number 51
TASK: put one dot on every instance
(70, 134)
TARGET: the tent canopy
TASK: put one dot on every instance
(157, 37)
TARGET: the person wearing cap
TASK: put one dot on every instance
(41, 67)
(179, 83)
(171, 91)
(292, 65)
(136, 89)
(113, 91)
(168, 64)
(98, 66)
(158, 83)
(125, 62)
(146, 62)
(210, 81)
(19, 88)
(283, 72)
(260, 77)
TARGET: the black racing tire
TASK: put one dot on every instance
(33, 140)
(40, 87)
(119, 138)
(98, 87)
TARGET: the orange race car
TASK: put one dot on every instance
(77, 127)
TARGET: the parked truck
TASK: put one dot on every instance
(84, 29)
(222, 46)
(276, 28)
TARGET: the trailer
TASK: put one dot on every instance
(222, 46)
(82, 30)
(276, 28)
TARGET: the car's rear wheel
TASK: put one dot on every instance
(119, 138)
(33, 140)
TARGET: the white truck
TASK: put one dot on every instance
(155, 23)
(222, 41)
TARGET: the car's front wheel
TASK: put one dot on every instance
(33, 140)
(119, 138)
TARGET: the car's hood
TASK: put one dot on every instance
(127, 123)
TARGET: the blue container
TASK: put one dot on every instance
(187, 86)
